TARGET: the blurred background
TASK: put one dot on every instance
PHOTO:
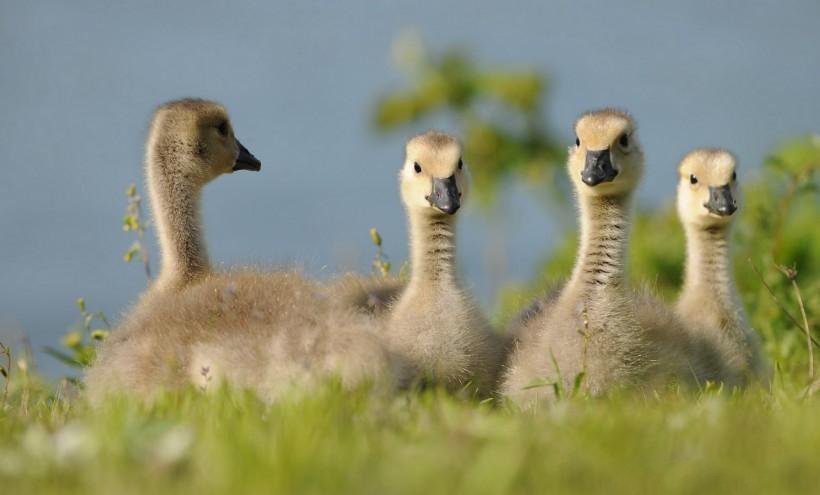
(325, 94)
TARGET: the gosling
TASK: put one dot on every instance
(435, 326)
(264, 331)
(708, 196)
(596, 332)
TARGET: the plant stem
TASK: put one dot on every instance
(6, 351)
(141, 238)
(780, 305)
(791, 274)
(806, 323)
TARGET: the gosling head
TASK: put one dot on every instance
(607, 159)
(195, 139)
(433, 178)
(707, 188)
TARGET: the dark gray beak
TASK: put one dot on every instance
(445, 195)
(721, 201)
(245, 160)
(598, 168)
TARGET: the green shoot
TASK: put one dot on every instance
(134, 221)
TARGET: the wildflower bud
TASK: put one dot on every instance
(375, 237)
(131, 191)
(72, 340)
(130, 222)
(99, 334)
(81, 304)
(132, 251)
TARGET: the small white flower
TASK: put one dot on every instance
(73, 443)
(36, 442)
(173, 446)
(677, 421)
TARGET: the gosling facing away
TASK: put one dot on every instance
(263, 331)
(596, 329)
(708, 195)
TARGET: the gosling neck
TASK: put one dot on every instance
(708, 266)
(432, 249)
(175, 200)
(604, 240)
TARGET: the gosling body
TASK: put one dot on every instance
(264, 331)
(598, 333)
(435, 325)
(707, 202)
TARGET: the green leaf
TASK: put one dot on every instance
(375, 237)
(62, 357)
(72, 340)
(541, 382)
(579, 381)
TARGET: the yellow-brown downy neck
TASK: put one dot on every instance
(175, 200)
(708, 273)
(604, 242)
(432, 250)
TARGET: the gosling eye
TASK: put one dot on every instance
(222, 128)
(577, 141)
(624, 141)
(693, 179)
(417, 167)
(734, 176)
(460, 164)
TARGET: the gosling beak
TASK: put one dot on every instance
(721, 201)
(598, 168)
(445, 195)
(245, 160)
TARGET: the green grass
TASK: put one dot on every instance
(336, 441)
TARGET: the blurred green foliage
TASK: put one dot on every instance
(497, 111)
(779, 225)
